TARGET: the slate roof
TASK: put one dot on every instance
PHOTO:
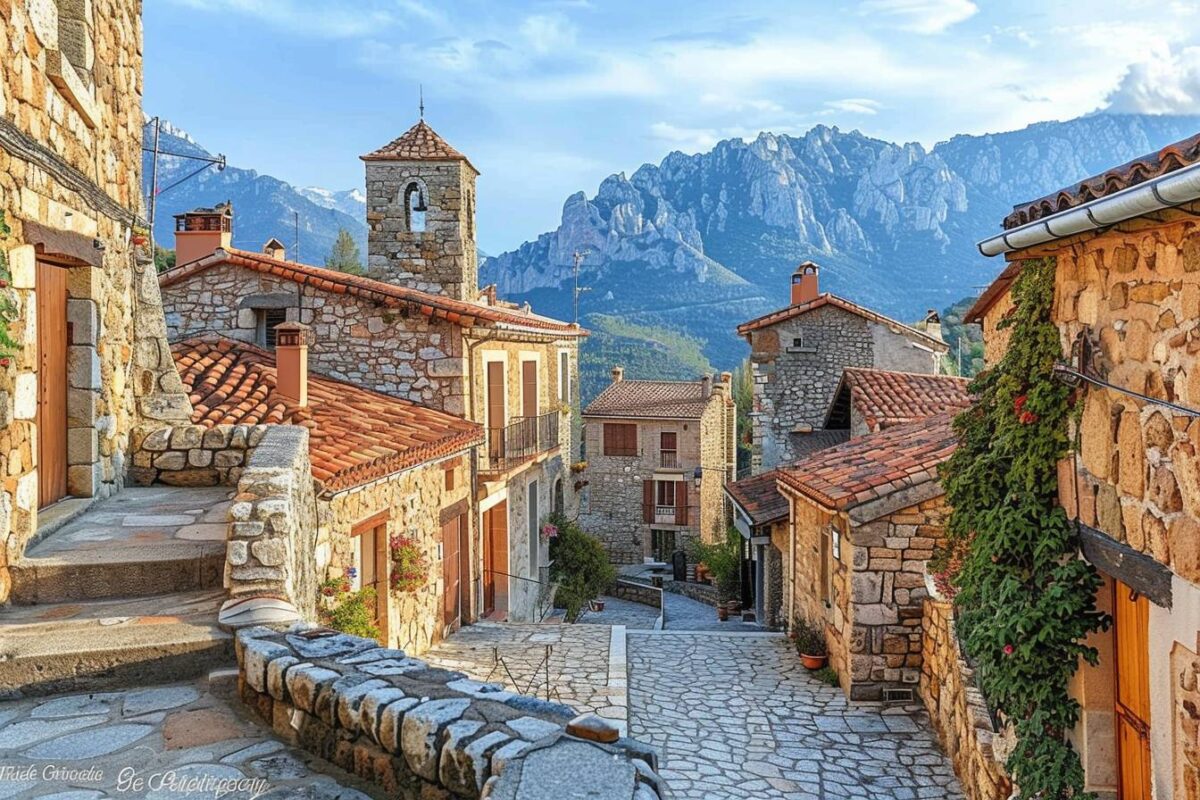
(355, 435)
(759, 496)
(1152, 165)
(388, 294)
(418, 143)
(883, 398)
(649, 399)
(827, 299)
(869, 467)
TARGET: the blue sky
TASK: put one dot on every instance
(548, 97)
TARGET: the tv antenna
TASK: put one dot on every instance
(155, 191)
(421, 94)
(577, 257)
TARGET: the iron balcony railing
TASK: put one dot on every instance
(668, 459)
(519, 441)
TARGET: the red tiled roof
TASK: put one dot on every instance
(873, 466)
(992, 293)
(418, 143)
(759, 497)
(825, 299)
(655, 399)
(460, 312)
(884, 398)
(1152, 165)
(355, 435)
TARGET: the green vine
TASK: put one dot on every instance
(1026, 601)
(9, 312)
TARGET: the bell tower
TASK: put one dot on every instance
(421, 215)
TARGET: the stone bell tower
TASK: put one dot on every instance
(421, 215)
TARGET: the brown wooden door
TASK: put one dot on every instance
(52, 339)
(495, 408)
(373, 565)
(495, 559)
(454, 568)
(1131, 614)
(529, 388)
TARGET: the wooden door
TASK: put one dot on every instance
(454, 565)
(495, 408)
(495, 559)
(529, 388)
(1131, 614)
(53, 337)
(373, 567)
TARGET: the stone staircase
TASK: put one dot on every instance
(125, 593)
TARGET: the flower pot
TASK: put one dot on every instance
(597, 605)
(813, 662)
(722, 613)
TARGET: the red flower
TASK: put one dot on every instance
(1008, 649)
(1019, 403)
(1028, 417)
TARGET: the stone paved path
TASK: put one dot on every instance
(686, 614)
(736, 716)
(178, 740)
(634, 616)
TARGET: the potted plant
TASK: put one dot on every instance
(809, 639)
(410, 565)
(724, 561)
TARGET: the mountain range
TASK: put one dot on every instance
(678, 253)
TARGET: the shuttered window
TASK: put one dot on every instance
(529, 388)
(620, 439)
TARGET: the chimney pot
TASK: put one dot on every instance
(933, 324)
(203, 231)
(618, 374)
(291, 361)
(275, 249)
(706, 384)
(805, 284)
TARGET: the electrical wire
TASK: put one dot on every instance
(1063, 369)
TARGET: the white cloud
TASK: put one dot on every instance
(1166, 83)
(921, 16)
(327, 20)
(685, 138)
(548, 33)
(854, 105)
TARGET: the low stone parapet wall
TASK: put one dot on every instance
(957, 709)
(192, 455)
(701, 592)
(422, 733)
(636, 592)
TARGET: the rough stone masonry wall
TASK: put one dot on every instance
(423, 733)
(192, 455)
(957, 709)
(414, 502)
(70, 160)
(718, 462)
(810, 524)
(353, 339)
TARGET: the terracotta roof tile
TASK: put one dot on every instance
(759, 497)
(650, 399)
(418, 143)
(1152, 165)
(883, 398)
(872, 466)
(460, 312)
(828, 299)
(355, 435)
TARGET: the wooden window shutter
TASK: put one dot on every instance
(648, 501)
(495, 394)
(529, 388)
(681, 503)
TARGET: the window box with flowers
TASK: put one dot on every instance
(410, 564)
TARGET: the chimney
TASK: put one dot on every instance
(275, 249)
(727, 383)
(804, 283)
(200, 232)
(618, 374)
(706, 387)
(933, 324)
(291, 362)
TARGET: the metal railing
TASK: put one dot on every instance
(521, 440)
(546, 590)
(668, 459)
(662, 515)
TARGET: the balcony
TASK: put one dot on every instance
(668, 459)
(522, 440)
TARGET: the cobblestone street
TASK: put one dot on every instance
(736, 716)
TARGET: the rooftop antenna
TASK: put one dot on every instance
(296, 217)
(577, 256)
(421, 91)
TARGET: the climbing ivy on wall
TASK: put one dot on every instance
(8, 307)
(1026, 601)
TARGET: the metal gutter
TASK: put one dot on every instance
(1166, 191)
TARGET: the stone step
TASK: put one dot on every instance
(102, 644)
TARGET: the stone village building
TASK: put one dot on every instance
(1126, 245)
(416, 327)
(798, 353)
(658, 453)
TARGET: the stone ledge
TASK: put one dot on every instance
(422, 732)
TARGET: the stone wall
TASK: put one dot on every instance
(636, 592)
(70, 180)
(956, 708)
(419, 733)
(797, 364)
(416, 503)
(1185, 705)
(995, 338)
(192, 455)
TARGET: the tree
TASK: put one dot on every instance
(344, 255)
(743, 398)
(164, 259)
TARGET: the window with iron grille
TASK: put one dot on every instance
(268, 318)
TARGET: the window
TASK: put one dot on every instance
(662, 545)
(668, 452)
(827, 566)
(449, 475)
(564, 378)
(415, 206)
(665, 494)
(620, 439)
(801, 344)
(267, 319)
(529, 388)
(559, 505)
(534, 534)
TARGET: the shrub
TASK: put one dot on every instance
(724, 561)
(827, 675)
(410, 565)
(343, 609)
(809, 638)
(579, 565)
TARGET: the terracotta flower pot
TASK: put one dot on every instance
(722, 613)
(597, 605)
(813, 662)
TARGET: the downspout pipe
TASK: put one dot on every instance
(1166, 191)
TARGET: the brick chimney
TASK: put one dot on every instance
(706, 386)
(275, 249)
(933, 324)
(291, 362)
(201, 231)
(618, 374)
(804, 283)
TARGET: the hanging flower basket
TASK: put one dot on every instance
(410, 565)
(549, 531)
